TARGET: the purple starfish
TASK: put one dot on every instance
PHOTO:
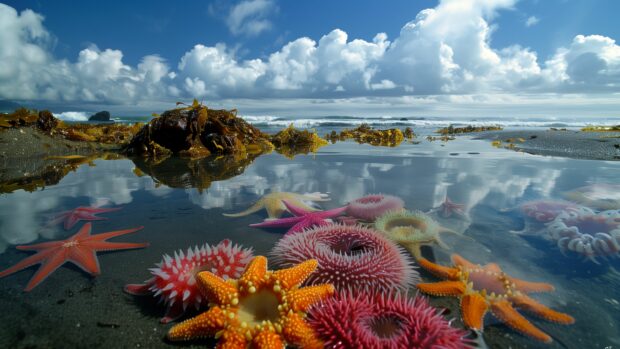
(303, 219)
(448, 207)
(82, 213)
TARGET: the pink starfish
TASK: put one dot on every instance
(448, 207)
(303, 219)
(82, 213)
(80, 249)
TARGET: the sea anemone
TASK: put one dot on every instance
(586, 233)
(597, 196)
(412, 229)
(174, 279)
(370, 207)
(350, 257)
(381, 320)
(538, 213)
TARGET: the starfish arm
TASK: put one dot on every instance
(334, 212)
(57, 219)
(254, 208)
(39, 247)
(111, 234)
(307, 223)
(438, 270)
(232, 340)
(47, 267)
(137, 289)
(267, 340)
(297, 332)
(528, 286)
(85, 258)
(278, 223)
(462, 262)
(316, 196)
(473, 309)
(254, 274)
(507, 314)
(110, 246)
(96, 210)
(27, 262)
(528, 304)
(275, 208)
(303, 298)
(492, 267)
(301, 204)
(443, 288)
(216, 289)
(294, 276)
(295, 210)
(71, 220)
(204, 325)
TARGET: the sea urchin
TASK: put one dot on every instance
(350, 257)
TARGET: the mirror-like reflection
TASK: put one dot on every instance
(180, 204)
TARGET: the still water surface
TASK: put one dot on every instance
(71, 309)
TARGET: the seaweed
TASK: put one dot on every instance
(195, 131)
(451, 130)
(365, 134)
(593, 128)
(291, 141)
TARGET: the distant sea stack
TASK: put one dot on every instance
(101, 116)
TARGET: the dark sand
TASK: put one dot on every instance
(570, 144)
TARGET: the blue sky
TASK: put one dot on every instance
(472, 57)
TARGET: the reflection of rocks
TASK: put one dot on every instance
(35, 173)
(180, 172)
(196, 131)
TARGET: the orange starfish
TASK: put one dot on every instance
(487, 287)
(264, 309)
(80, 249)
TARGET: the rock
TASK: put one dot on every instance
(100, 116)
(46, 121)
(196, 131)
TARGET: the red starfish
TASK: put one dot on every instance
(303, 218)
(82, 213)
(80, 249)
(448, 207)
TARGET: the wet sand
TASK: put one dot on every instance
(570, 143)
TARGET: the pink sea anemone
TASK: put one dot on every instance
(538, 213)
(588, 234)
(370, 207)
(382, 321)
(350, 257)
(174, 280)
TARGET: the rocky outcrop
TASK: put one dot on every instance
(197, 131)
(100, 116)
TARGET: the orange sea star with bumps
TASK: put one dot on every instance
(483, 288)
(261, 309)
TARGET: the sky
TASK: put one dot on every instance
(266, 57)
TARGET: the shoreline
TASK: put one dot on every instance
(558, 143)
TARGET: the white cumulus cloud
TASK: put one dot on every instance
(249, 17)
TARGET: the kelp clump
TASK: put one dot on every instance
(291, 141)
(593, 128)
(21, 117)
(47, 123)
(451, 130)
(197, 131)
(365, 134)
